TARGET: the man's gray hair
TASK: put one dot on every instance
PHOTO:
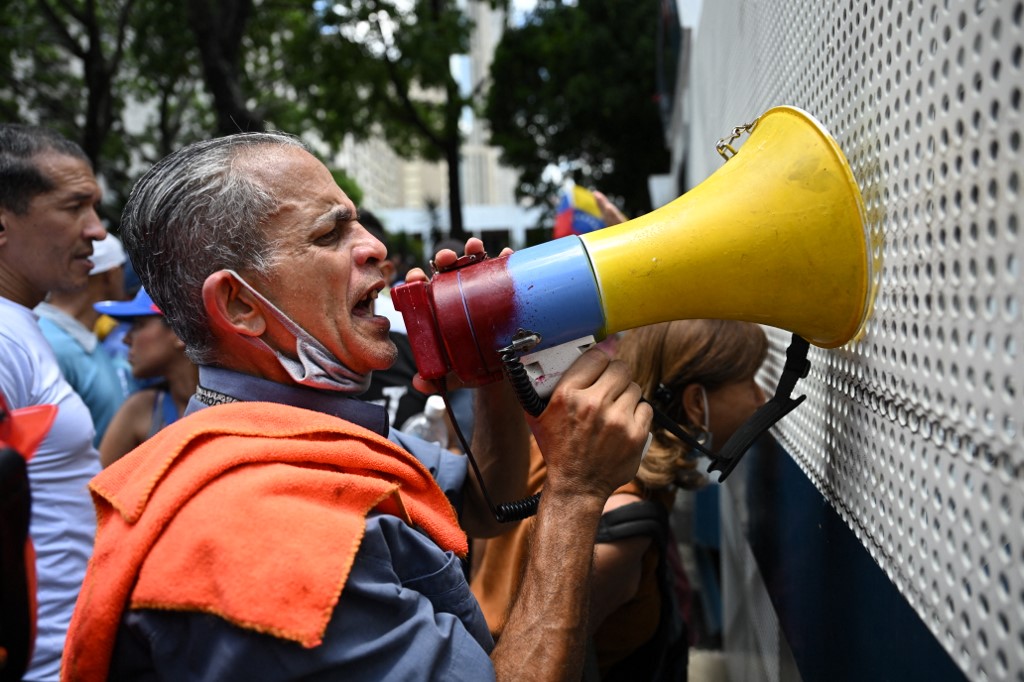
(194, 213)
(20, 177)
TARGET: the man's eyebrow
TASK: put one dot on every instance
(338, 214)
(81, 196)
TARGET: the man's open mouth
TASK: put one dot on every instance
(365, 305)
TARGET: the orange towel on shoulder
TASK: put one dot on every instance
(250, 511)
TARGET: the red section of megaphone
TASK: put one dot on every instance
(458, 320)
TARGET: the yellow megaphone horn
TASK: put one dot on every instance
(776, 236)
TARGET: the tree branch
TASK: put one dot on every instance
(122, 30)
(402, 91)
(62, 33)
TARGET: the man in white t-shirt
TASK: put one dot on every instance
(48, 223)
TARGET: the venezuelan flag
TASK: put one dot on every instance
(577, 212)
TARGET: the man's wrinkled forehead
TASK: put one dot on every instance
(260, 164)
(274, 166)
(296, 180)
(69, 177)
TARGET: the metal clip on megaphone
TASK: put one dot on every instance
(776, 236)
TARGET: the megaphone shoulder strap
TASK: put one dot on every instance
(797, 367)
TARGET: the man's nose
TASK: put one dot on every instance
(94, 229)
(371, 249)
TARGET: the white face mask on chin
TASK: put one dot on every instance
(316, 367)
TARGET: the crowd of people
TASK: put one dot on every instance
(238, 507)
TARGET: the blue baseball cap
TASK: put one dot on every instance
(140, 306)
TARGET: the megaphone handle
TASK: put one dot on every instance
(797, 367)
(533, 404)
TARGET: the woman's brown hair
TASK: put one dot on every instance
(711, 353)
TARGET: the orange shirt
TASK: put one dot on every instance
(501, 561)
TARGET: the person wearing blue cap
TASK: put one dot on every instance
(155, 352)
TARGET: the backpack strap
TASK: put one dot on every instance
(646, 518)
(664, 656)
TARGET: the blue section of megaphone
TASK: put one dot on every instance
(556, 294)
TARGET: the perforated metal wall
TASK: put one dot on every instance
(913, 432)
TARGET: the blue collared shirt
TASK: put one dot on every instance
(406, 612)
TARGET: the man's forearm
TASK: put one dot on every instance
(545, 637)
(591, 434)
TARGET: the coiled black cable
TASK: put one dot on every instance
(506, 512)
(520, 381)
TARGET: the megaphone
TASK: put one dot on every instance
(776, 236)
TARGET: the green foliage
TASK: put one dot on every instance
(405, 82)
(299, 77)
(574, 88)
(36, 83)
(62, 65)
(133, 80)
(163, 69)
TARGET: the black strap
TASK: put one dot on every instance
(797, 367)
(664, 655)
(669, 424)
(642, 518)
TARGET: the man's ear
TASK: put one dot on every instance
(693, 404)
(231, 307)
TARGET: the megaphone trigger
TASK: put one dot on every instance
(534, 376)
